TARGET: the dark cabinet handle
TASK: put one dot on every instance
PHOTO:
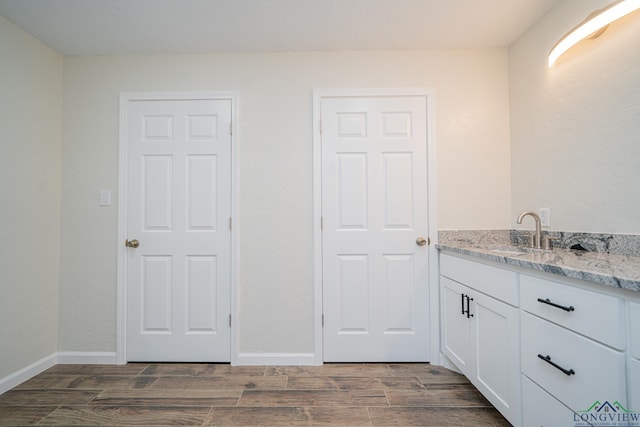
(465, 311)
(547, 359)
(468, 298)
(553, 304)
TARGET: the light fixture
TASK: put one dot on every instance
(593, 25)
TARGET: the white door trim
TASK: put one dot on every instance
(125, 99)
(434, 298)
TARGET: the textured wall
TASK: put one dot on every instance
(276, 188)
(575, 133)
(30, 137)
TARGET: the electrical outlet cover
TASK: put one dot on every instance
(545, 213)
(105, 197)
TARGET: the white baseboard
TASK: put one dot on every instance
(18, 377)
(276, 359)
(59, 358)
(87, 358)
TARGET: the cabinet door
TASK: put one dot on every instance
(634, 329)
(495, 337)
(633, 364)
(455, 328)
(633, 377)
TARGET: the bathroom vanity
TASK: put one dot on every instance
(548, 337)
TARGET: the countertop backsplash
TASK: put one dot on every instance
(623, 244)
(475, 237)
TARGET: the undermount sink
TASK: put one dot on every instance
(509, 251)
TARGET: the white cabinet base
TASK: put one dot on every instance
(539, 348)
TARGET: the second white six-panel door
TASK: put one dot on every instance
(374, 208)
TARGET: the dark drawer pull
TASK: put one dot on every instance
(553, 304)
(547, 359)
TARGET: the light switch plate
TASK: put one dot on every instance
(105, 197)
(545, 213)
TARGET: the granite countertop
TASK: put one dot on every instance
(616, 270)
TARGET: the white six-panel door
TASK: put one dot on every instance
(374, 208)
(178, 208)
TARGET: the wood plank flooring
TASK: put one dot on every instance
(222, 395)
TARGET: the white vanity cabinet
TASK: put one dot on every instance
(480, 329)
(545, 350)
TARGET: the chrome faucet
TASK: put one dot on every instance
(537, 238)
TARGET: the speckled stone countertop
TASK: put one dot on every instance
(616, 270)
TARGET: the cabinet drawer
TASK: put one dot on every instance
(598, 371)
(634, 330)
(595, 315)
(540, 409)
(496, 282)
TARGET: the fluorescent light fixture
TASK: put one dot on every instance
(595, 22)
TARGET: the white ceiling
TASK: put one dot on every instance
(106, 27)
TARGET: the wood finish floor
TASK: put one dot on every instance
(222, 395)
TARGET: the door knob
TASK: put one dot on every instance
(421, 241)
(132, 243)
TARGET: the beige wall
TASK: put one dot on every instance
(275, 119)
(575, 128)
(30, 137)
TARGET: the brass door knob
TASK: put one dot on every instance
(421, 241)
(132, 243)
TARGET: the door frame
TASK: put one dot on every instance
(121, 317)
(434, 297)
